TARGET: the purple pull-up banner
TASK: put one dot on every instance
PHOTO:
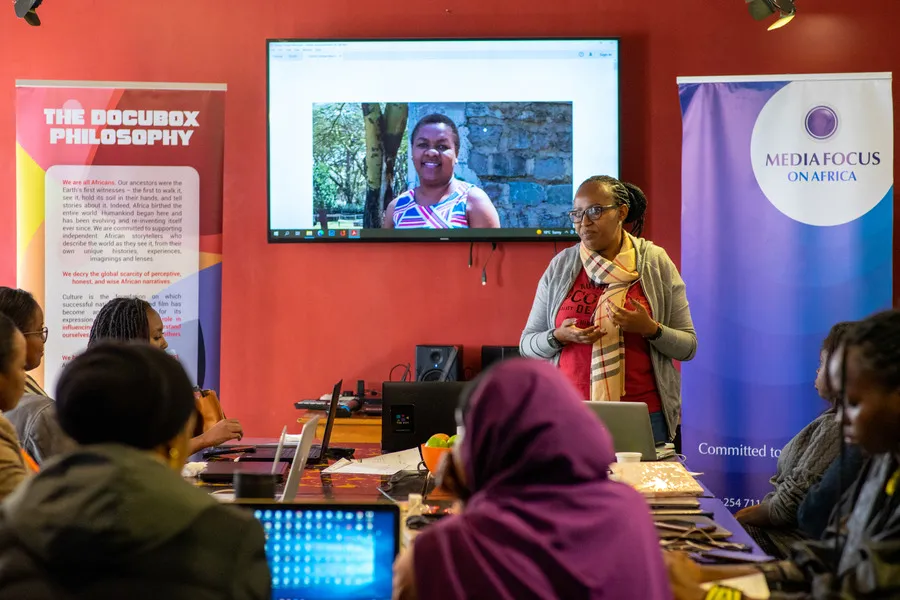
(787, 210)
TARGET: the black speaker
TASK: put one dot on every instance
(439, 363)
(415, 411)
(493, 354)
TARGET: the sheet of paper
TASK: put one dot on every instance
(386, 464)
(754, 586)
(192, 469)
(340, 464)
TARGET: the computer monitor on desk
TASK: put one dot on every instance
(412, 412)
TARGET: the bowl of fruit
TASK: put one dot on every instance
(435, 448)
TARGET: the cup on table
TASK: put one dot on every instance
(629, 457)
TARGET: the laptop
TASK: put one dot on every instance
(330, 550)
(301, 454)
(629, 425)
(267, 453)
(223, 471)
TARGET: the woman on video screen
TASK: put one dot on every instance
(440, 201)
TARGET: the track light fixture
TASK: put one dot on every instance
(27, 9)
(763, 9)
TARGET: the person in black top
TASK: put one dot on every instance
(814, 513)
(859, 555)
(114, 519)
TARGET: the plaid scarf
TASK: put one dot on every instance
(32, 387)
(608, 357)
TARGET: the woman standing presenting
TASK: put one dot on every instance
(612, 312)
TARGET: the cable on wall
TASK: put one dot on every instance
(484, 270)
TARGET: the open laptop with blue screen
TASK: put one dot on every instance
(330, 551)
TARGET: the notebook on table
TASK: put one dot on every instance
(330, 550)
(655, 480)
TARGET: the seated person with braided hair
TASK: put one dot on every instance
(126, 319)
(859, 556)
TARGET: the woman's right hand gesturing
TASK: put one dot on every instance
(569, 333)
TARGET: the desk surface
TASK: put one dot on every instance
(318, 486)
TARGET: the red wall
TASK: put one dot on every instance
(298, 318)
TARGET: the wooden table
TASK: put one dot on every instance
(358, 429)
(317, 486)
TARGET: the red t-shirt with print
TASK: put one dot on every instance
(575, 359)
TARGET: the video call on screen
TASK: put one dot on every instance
(534, 119)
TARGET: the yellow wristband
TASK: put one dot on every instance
(718, 592)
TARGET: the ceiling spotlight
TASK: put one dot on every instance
(783, 20)
(27, 9)
(763, 9)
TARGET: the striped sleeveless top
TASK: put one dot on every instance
(449, 213)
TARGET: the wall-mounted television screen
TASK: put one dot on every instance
(416, 140)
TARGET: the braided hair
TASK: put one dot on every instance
(18, 305)
(877, 340)
(623, 193)
(8, 332)
(830, 346)
(122, 319)
(835, 336)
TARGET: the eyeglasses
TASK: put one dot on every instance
(593, 212)
(44, 333)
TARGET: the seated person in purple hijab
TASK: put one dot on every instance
(540, 517)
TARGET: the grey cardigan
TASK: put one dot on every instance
(801, 465)
(664, 290)
(38, 428)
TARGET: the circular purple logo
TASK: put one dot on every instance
(821, 122)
